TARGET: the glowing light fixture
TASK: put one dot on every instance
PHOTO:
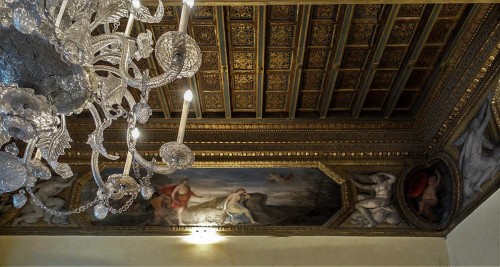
(135, 133)
(136, 3)
(190, 3)
(203, 235)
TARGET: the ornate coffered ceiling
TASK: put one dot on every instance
(346, 87)
(384, 78)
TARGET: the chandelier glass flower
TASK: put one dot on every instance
(54, 62)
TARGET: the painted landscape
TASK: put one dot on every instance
(230, 196)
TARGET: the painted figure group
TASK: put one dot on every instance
(176, 198)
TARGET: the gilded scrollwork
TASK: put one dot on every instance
(210, 81)
(313, 80)
(210, 60)
(342, 99)
(367, 11)
(283, 12)
(361, 33)
(275, 101)
(241, 12)
(203, 12)
(440, 31)
(411, 10)
(243, 60)
(354, 58)
(242, 35)
(281, 35)
(244, 101)
(321, 34)
(325, 12)
(309, 101)
(243, 82)
(428, 56)
(213, 101)
(205, 35)
(277, 82)
(402, 32)
(392, 57)
(316, 59)
(383, 79)
(450, 10)
(154, 100)
(279, 59)
(347, 79)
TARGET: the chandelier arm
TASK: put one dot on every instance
(108, 69)
(148, 83)
(161, 169)
(95, 155)
(114, 58)
(29, 151)
(101, 41)
(97, 137)
(94, 164)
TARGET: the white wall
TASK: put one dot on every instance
(234, 251)
(476, 241)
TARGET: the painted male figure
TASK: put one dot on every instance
(180, 198)
(382, 187)
(180, 195)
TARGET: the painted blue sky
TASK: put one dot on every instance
(215, 182)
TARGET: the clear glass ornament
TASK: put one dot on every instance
(100, 211)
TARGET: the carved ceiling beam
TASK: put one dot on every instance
(223, 51)
(445, 56)
(163, 102)
(299, 59)
(409, 63)
(339, 50)
(261, 47)
(196, 99)
(377, 55)
(308, 2)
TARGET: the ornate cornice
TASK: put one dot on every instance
(457, 89)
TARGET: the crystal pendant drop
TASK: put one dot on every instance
(19, 200)
(100, 211)
(147, 191)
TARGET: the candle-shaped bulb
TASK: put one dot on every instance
(135, 133)
(190, 3)
(136, 3)
(188, 96)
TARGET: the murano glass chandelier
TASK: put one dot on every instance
(60, 57)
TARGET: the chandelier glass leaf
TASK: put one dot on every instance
(59, 58)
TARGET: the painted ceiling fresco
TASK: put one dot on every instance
(308, 119)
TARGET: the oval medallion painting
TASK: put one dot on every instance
(428, 194)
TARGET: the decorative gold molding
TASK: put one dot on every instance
(311, 2)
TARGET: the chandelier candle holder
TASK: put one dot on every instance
(55, 63)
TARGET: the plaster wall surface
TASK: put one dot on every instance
(476, 241)
(233, 251)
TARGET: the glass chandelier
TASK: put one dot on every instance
(55, 63)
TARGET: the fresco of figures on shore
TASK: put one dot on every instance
(229, 196)
(429, 193)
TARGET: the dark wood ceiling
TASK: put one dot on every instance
(313, 61)
(344, 87)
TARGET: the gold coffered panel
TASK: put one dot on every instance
(319, 61)
(359, 86)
